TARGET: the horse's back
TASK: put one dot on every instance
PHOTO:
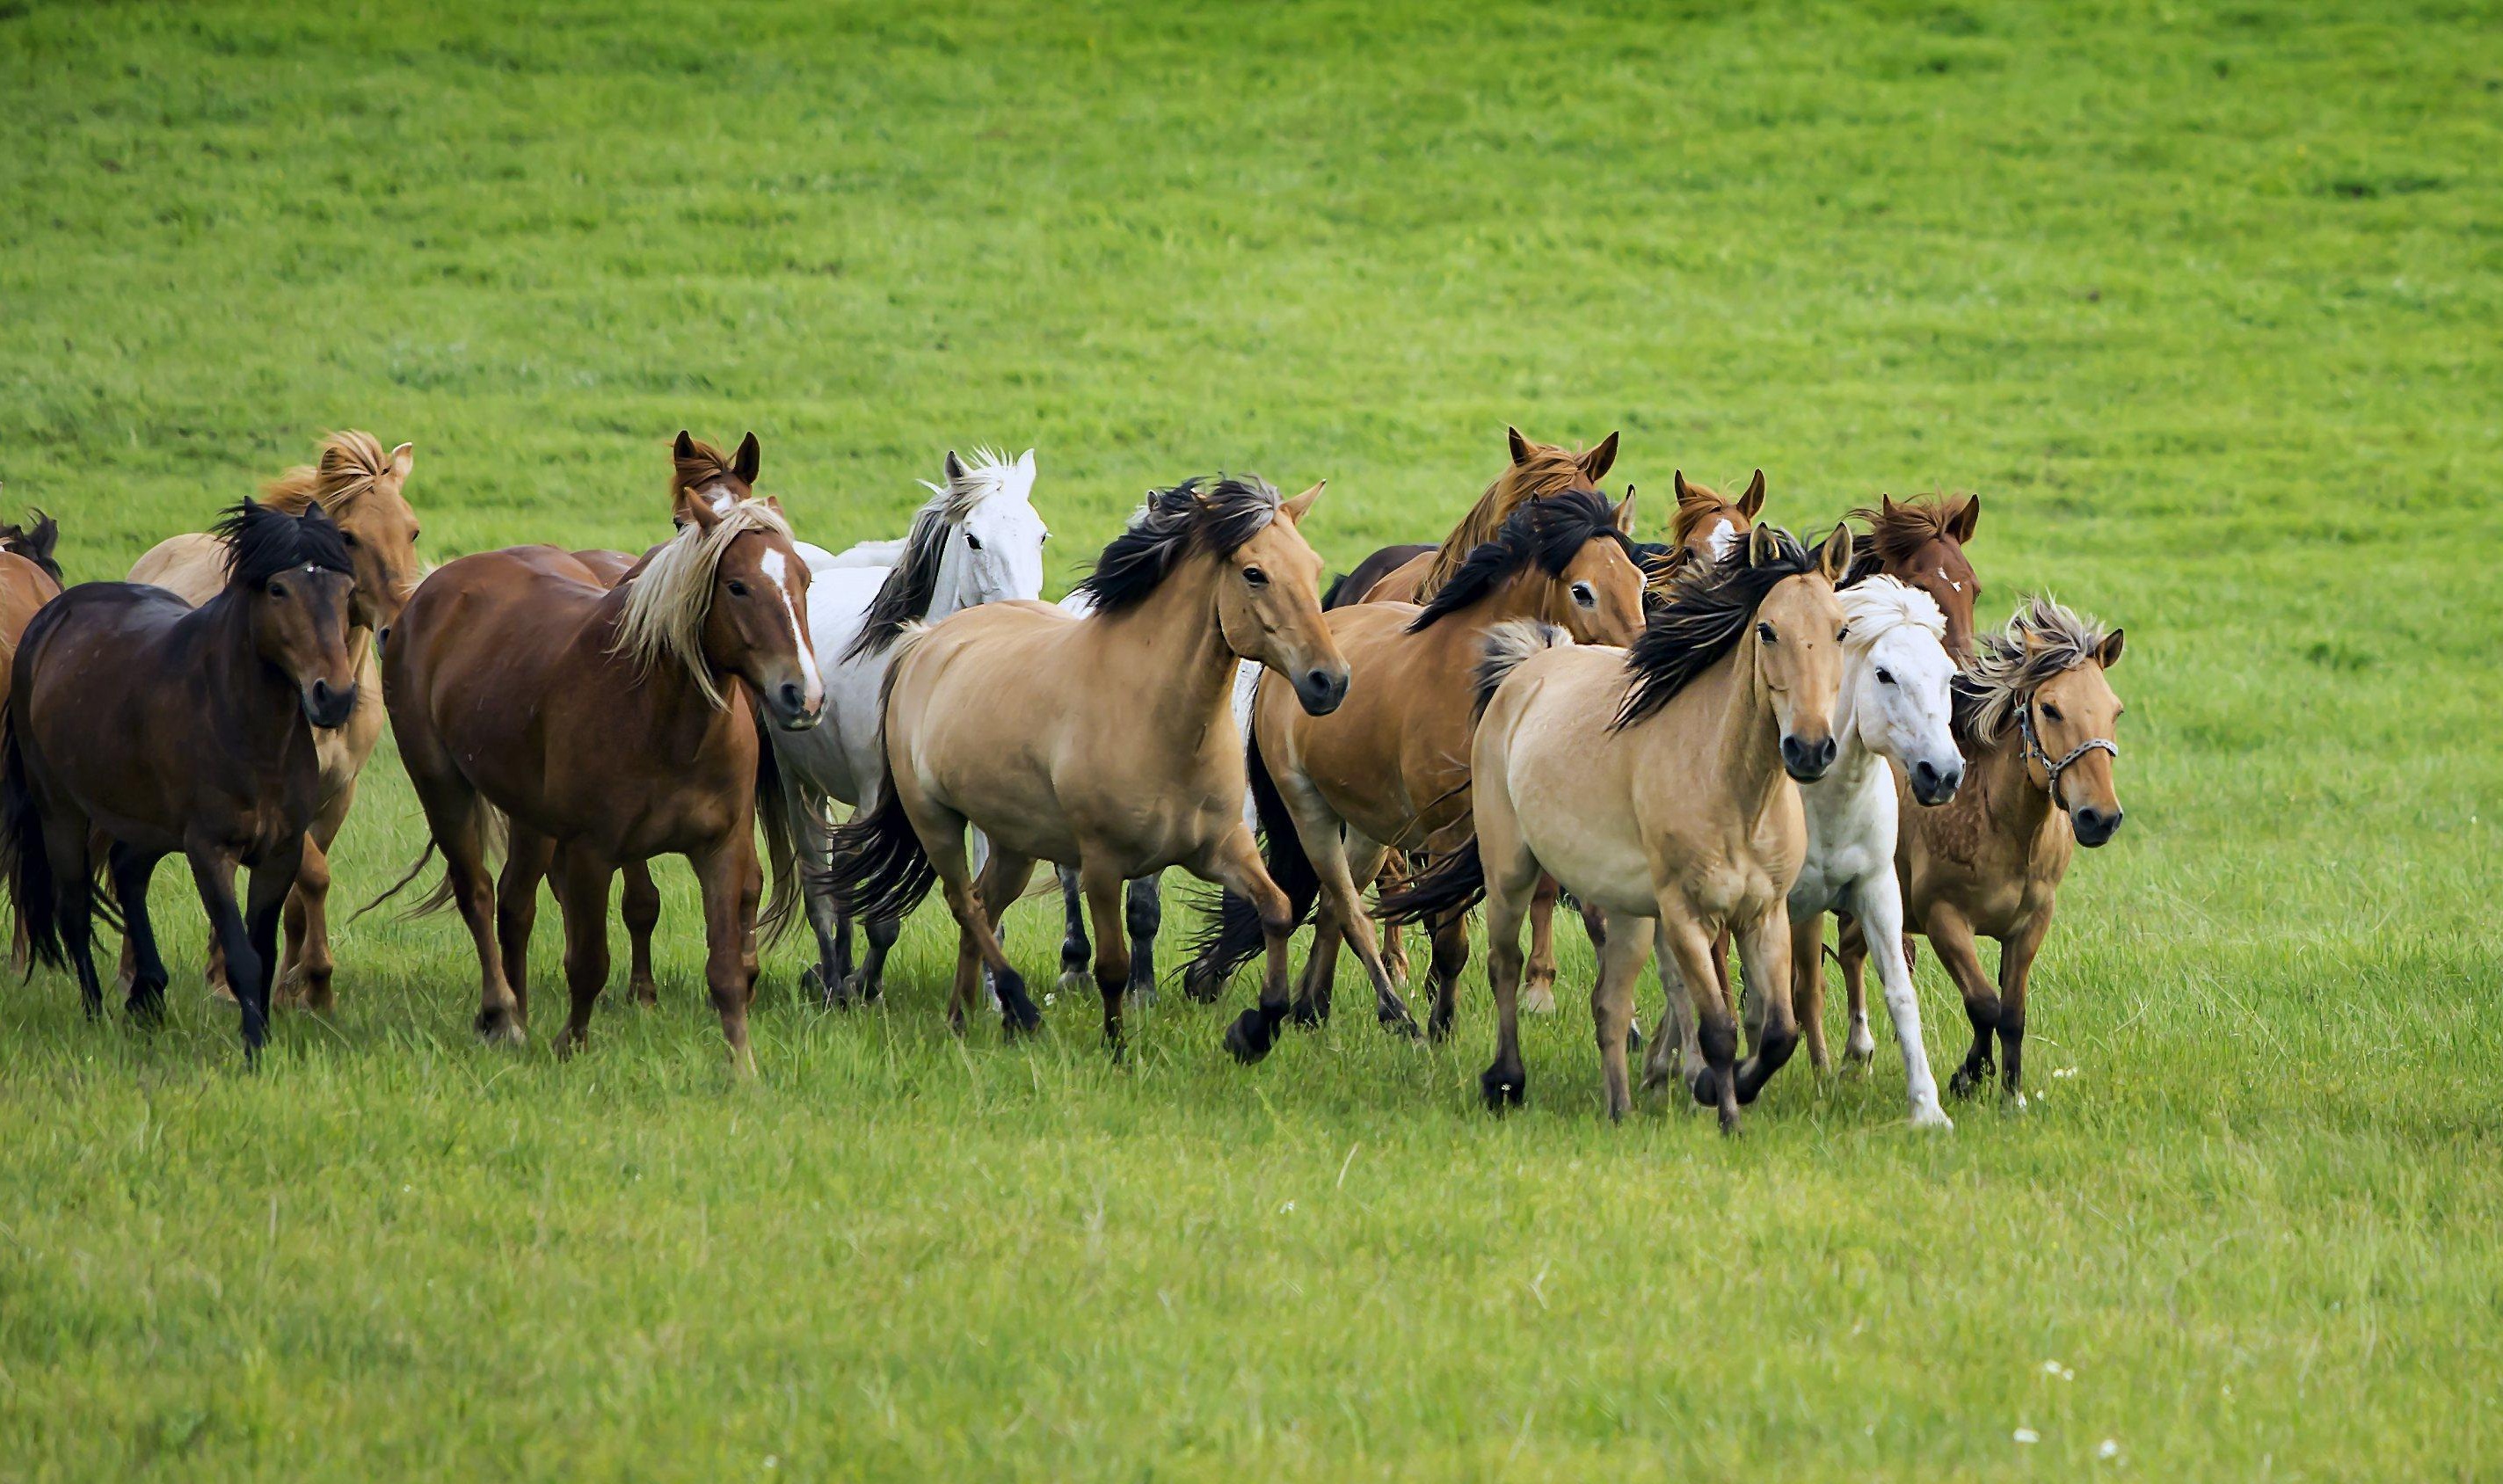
(489, 619)
(192, 567)
(1401, 583)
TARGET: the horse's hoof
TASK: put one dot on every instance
(811, 982)
(1251, 1037)
(1502, 1087)
(1309, 1015)
(1076, 981)
(1400, 1024)
(1967, 1081)
(499, 1030)
(1706, 1087)
(1932, 1115)
(1438, 1028)
(1141, 993)
(1538, 998)
(860, 989)
(145, 1010)
(1729, 1123)
(1204, 986)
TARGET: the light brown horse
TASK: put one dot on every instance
(1104, 741)
(1705, 525)
(610, 725)
(1536, 469)
(2036, 718)
(362, 491)
(1656, 784)
(1388, 771)
(29, 578)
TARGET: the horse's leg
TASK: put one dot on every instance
(813, 837)
(1103, 886)
(1144, 914)
(582, 897)
(131, 872)
(1682, 935)
(1075, 952)
(517, 907)
(639, 904)
(1235, 864)
(1448, 939)
(1539, 983)
(1394, 935)
(1676, 1038)
(1851, 955)
(1878, 902)
(1002, 881)
(1340, 859)
(305, 969)
(1622, 953)
(1511, 894)
(978, 943)
(869, 981)
(730, 881)
(212, 871)
(68, 853)
(1765, 953)
(255, 974)
(1952, 937)
(2015, 967)
(1807, 985)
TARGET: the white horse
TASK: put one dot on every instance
(1894, 709)
(977, 539)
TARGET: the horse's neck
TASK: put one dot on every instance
(947, 588)
(1747, 747)
(666, 690)
(1171, 642)
(2018, 810)
(253, 691)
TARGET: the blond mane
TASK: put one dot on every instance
(668, 602)
(1548, 470)
(2044, 638)
(352, 465)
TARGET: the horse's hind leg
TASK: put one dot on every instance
(1144, 916)
(1002, 881)
(1235, 864)
(1851, 955)
(1674, 1049)
(1612, 1010)
(582, 896)
(131, 872)
(1075, 952)
(1103, 886)
(452, 812)
(1341, 861)
(67, 850)
(639, 904)
(869, 981)
(1511, 880)
(829, 979)
(306, 967)
(1539, 983)
(517, 907)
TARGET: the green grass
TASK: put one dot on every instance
(2202, 299)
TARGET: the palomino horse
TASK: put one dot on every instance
(154, 726)
(361, 487)
(29, 578)
(610, 725)
(1389, 769)
(1894, 709)
(1651, 784)
(2036, 717)
(1103, 742)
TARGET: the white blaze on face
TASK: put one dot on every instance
(812, 686)
(1723, 536)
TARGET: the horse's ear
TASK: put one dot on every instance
(402, 460)
(1625, 512)
(956, 466)
(1754, 499)
(1677, 486)
(1595, 462)
(1025, 462)
(685, 446)
(693, 509)
(744, 462)
(1295, 509)
(1761, 547)
(1961, 524)
(1520, 445)
(1835, 558)
(2110, 653)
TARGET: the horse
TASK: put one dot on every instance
(1701, 530)
(2036, 718)
(605, 725)
(1536, 469)
(147, 725)
(1659, 784)
(1921, 543)
(31, 576)
(361, 489)
(1389, 769)
(1103, 742)
(1894, 710)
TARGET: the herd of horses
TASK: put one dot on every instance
(1705, 743)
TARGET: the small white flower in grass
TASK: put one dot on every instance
(2063, 1071)
(770, 1462)
(2055, 1368)
(1051, 998)
(1288, 1209)
(2108, 1448)
(2027, 1436)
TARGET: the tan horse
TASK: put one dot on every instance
(1105, 742)
(610, 725)
(361, 487)
(2036, 716)
(1388, 771)
(1656, 785)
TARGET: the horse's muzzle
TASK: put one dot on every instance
(2094, 826)
(1322, 690)
(791, 709)
(327, 707)
(1807, 761)
(1934, 785)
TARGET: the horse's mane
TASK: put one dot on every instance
(352, 466)
(909, 590)
(1549, 532)
(36, 543)
(2044, 638)
(1705, 616)
(1899, 530)
(262, 540)
(1547, 470)
(1876, 607)
(668, 601)
(1193, 516)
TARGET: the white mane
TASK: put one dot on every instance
(1875, 606)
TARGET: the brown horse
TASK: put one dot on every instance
(1651, 783)
(360, 489)
(2036, 718)
(1104, 741)
(1388, 771)
(29, 578)
(1920, 543)
(152, 726)
(610, 725)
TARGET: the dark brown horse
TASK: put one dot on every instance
(608, 724)
(140, 721)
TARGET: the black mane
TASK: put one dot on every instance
(1193, 516)
(1705, 620)
(1549, 531)
(35, 542)
(261, 542)
(905, 596)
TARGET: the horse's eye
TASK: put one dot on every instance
(2051, 712)
(278, 590)
(1255, 577)
(1765, 632)
(973, 540)
(1843, 634)
(1885, 676)
(737, 589)
(347, 539)
(1583, 595)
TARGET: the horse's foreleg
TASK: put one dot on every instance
(1952, 937)
(1235, 864)
(1807, 985)
(1622, 953)
(2015, 967)
(212, 871)
(1075, 952)
(1682, 937)
(1103, 887)
(1765, 953)
(830, 977)
(131, 872)
(1675, 1046)
(639, 904)
(582, 897)
(1878, 902)
(517, 909)
(256, 975)
(1447, 942)
(1538, 981)
(731, 881)
(305, 968)
(1339, 863)
(1143, 916)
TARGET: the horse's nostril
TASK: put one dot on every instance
(1926, 774)
(791, 697)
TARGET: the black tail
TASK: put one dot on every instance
(1235, 936)
(773, 816)
(880, 872)
(1453, 885)
(29, 867)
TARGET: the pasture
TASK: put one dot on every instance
(2201, 299)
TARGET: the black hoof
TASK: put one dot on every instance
(1141, 990)
(1438, 1028)
(1251, 1037)
(1969, 1081)
(1729, 1123)
(1706, 1087)
(1502, 1087)
(859, 989)
(1203, 986)
(1399, 1022)
(1308, 1014)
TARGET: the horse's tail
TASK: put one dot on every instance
(773, 805)
(22, 856)
(879, 869)
(495, 833)
(1453, 885)
(1235, 934)
(1507, 645)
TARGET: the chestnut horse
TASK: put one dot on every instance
(1920, 543)
(1104, 741)
(29, 578)
(361, 487)
(1389, 769)
(2036, 716)
(150, 726)
(1653, 784)
(610, 725)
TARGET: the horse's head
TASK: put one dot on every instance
(756, 614)
(1268, 604)
(1921, 543)
(295, 580)
(2074, 716)
(996, 551)
(1706, 524)
(699, 476)
(1600, 589)
(1897, 684)
(380, 531)
(1798, 634)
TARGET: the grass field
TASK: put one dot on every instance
(2202, 300)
